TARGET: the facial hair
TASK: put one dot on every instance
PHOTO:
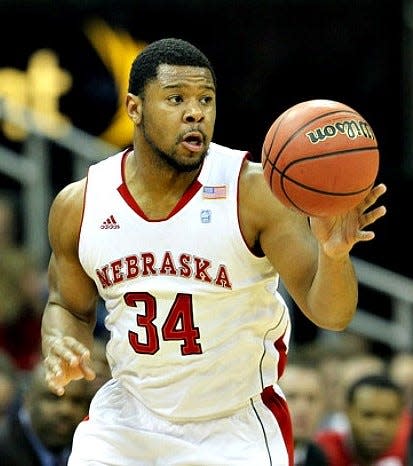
(169, 158)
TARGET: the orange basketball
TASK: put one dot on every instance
(320, 157)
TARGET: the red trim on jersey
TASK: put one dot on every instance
(128, 198)
(278, 407)
(281, 348)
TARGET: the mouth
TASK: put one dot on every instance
(193, 141)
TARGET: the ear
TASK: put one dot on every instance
(134, 108)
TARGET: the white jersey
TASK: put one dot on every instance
(196, 324)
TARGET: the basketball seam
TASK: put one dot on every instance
(320, 191)
(324, 155)
(299, 130)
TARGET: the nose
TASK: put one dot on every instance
(193, 112)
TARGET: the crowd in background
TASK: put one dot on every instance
(349, 405)
(36, 426)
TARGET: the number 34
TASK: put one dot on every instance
(178, 325)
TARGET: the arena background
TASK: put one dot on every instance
(267, 54)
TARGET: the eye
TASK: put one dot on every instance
(175, 99)
(207, 100)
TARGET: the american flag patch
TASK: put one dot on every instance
(214, 192)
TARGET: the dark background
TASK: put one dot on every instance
(268, 55)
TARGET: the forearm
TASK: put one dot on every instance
(58, 321)
(332, 299)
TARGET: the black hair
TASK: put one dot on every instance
(169, 51)
(375, 381)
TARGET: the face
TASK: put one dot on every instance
(54, 418)
(303, 390)
(374, 417)
(7, 392)
(175, 118)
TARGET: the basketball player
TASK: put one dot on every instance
(184, 241)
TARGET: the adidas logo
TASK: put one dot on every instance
(110, 224)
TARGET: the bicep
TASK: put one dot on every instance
(290, 247)
(284, 236)
(69, 285)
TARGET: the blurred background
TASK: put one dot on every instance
(63, 77)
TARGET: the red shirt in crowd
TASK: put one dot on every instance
(337, 446)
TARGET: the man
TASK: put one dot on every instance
(9, 384)
(183, 240)
(350, 369)
(39, 430)
(374, 409)
(401, 372)
(303, 388)
(21, 292)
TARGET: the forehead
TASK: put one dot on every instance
(176, 76)
(376, 399)
(301, 381)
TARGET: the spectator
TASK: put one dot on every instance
(9, 384)
(374, 409)
(347, 371)
(100, 364)
(21, 291)
(39, 431)
(409, 461)
(303, 389)
(401, 372)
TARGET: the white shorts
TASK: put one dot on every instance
(120, 431)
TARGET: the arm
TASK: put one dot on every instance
(70, 314)
(312, 257)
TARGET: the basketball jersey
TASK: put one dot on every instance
(196, 324)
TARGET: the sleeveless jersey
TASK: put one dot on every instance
(196, 324)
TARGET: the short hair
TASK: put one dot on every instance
(169, 51)
(375, 381)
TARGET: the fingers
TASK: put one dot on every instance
(370, 216)
(373, 195)
(67, 360)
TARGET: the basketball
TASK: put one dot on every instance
(320, 158)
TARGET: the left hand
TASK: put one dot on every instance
(337, 235)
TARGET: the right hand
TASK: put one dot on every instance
(66, 359)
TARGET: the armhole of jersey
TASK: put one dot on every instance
(247, 157)
(82, 217)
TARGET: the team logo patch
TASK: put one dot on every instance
(205, 216)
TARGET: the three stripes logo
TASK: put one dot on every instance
(110, 224)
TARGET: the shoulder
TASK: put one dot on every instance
(330, 440)
(333, 444)
(316, 455)
(66, 212)
(256, 196)
(69, 201)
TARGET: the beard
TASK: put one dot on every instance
(171, 159)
